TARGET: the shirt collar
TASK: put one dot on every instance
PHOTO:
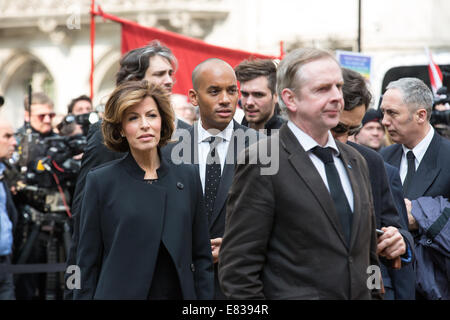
(225, 134)
(422, 146)
(307, 142)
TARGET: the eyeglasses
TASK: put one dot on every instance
(42, 116)
(343, 128)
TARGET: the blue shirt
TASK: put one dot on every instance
(6, 237)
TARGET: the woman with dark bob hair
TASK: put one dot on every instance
(143, 229)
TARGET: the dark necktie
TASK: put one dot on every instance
(411, 171)
(212, 175)
(336, 190)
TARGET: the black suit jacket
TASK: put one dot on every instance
(188, 144)
(123, 221)
(283, 239)
(432, 177)
(387, 214)
(403, 280)
(95, 154)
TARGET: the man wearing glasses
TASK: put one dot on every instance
(40, 114)
(39, 117)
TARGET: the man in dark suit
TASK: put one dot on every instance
(8, 213)
(357, 98)
(155, 63)
(308, 231)
(420, 153)
(215, 92)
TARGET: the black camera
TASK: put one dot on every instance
(68, 125)
(441, 116)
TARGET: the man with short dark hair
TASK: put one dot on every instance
(258, 94)
(213, 144)
(8, 213)
(80, 105)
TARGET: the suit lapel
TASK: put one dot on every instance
(304, 167)
(396, 157)
(427, 171)
(351, 167)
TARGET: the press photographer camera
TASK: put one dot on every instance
(48, 166)
(69, 124)
(440, 115)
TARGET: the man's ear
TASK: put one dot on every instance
(288, 96)
(193, 97)
(421, 115)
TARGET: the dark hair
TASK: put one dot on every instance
(127, 95)
(251, 69)
(74, 101)
(355, 90)
(135, 63)
(37, 98)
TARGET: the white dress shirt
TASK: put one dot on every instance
(418, 151)
(308, 143)
(203, 147)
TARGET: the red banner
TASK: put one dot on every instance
(189, 52)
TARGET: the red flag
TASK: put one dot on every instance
(434, 73)
(189, 52)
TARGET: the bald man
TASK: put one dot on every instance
(214, 142)
(8, 214)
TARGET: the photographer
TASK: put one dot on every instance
(49, 167)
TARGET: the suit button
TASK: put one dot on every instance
(350, 260)
(192, 267)
(429, 241)
(180, 185)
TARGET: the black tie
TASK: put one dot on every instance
(213, 174)
(337, 192)
(411, 171)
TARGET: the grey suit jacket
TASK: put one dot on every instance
(283, 238)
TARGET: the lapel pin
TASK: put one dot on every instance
(180, 185)
(349, 166)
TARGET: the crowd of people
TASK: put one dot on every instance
(173, 198)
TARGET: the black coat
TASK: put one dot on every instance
(123, 221)
(387, 214)
(385, 209)
(95, 154)
(404, 279)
